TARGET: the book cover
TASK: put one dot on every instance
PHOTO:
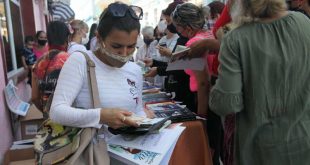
(134, 156)
(148, 149)
(175, 112)
(163, 106)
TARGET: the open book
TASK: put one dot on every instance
(180, 51)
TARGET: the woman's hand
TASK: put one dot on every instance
(164, 51)
(116, 118)
(151, 73)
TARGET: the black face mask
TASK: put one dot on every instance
(172, 29)
(42, 42)
(148, 41)
(157, 38)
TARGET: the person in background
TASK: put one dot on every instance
(177, 81)
(41, 47)
(28, 57)
(119, 80)
(46, 70)
(78, 38)
(91, 44)
(168, 41)
(158, 34)
(189, 21)
(148, 50)
(264, 79)
(302, 6)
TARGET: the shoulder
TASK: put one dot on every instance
(75, 46)
(78, 56)
(132, 66)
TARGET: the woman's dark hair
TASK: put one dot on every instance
(39, 33)
(57, 33)
(92, 31)
(216, 7)
(108, 22)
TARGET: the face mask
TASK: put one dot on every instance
(162, 25)
(114, 59)
(84, 40)
(148, 41)
(42, 42)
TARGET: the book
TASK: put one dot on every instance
(135, 150)
(146, 126)
(175, 112)
(135, 156)
(156, 100)
(155, 95)
(180, 51)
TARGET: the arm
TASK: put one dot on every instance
(66, 92)
(202, 91)
(35, 94)
(199, 47)
(24, 63)
(226, 96)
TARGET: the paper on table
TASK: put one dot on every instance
(167, 157)
(158, 143)
(193, 64)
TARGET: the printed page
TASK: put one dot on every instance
(129, 155)
(182, 64)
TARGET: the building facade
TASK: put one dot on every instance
(18, 18)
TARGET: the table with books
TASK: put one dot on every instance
(182, 142)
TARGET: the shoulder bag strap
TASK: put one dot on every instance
(92, 81)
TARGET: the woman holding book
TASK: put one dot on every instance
(119, 80)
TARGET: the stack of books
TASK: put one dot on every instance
(163, 106)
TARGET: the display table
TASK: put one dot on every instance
(192, 146)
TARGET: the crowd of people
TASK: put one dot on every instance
(254, 89)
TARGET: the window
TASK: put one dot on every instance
(5, 37)
(12, 34)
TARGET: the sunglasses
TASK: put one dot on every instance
(120, 10)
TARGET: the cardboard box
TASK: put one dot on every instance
(19, 157)
(31, 122)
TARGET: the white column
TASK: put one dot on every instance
(11, 33)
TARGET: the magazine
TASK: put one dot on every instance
(135, 150)
(175, 112)
(129, 155)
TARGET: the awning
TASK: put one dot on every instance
(61, 11)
